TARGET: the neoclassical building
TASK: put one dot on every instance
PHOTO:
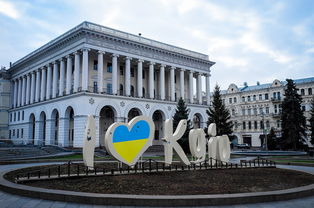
(256, 109)
(113, 75)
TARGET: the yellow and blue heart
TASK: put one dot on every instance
(128, 144)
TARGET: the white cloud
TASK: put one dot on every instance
(9, 9)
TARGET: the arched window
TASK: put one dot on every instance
(302, 92)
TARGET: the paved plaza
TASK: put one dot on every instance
(15, 201)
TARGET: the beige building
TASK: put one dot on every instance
(4, 104)
(256, 109)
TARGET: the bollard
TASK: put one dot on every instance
(112, 172)
(28, 175)
(211, 163)
(86, 170)
(103, 171)
(156, 166)
(49, 173)
(95, 170)
(78, 169)
(69, 168)
(38, 174)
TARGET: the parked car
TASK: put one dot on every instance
(243, 146)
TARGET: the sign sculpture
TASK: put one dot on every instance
(128, 142)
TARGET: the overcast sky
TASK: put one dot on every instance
(249, 40)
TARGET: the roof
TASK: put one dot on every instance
(268, 85)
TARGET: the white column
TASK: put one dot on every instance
(151, 80)
(23, 90)
(18, 92)
(62, 76)
(68, 75)
(140, 78)
(100, 71)
(37, 87)
(199, 88)
(85, 70)
(208, 89)
(15, 94)
(55, 79)
(43, 83)
(172, 84)
(162, 81)
(32, 88)
(191, 86)
(49, 82)
(182, 83)
(114, 74)
(28, 88)
(127, 76)
(76, 71)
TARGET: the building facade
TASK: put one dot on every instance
(113, 75)
(256, 109)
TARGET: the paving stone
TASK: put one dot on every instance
(58, 204)
(31, 203)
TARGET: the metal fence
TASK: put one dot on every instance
(70, 169)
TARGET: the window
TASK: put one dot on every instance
(310, 91)
(248, 98)
(13, 132)
(267, 110)
(275, 109)
(243, 112)
(233, 112)
(95, 66)
(121, 89)
(121, 70)
(132, 72)
(10, 117)
(249, 111)
(109, 88)
(260, 97)
(244, 125)
(9, 134)
(132, 91)
(175, 79)
(18, 116)
(255, 111)
(278, 95)
(243, 99)
(143, 92)
(261, 124)
(278, 123)
(255, 124)
(267, 124)
(109, 67)
(95, 87)
(303, 108)
(143, 73)
(17, 133)
(302, 92)
(22, 115)
(274, 95)
(22, 133)
(235, 100)
(266, 96)
(261, 111)
(14, 116)
(254, 97)
(230, 100)
(279, 108)
(250, 125)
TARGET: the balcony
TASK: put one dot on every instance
(276, 115)
(276, 99)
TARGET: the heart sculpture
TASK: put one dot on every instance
(127, 142)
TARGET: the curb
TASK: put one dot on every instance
(152, 200)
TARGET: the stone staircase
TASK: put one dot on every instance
(24, 152)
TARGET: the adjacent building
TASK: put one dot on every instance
(256, 109)
(113, 75)
(4, 104)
